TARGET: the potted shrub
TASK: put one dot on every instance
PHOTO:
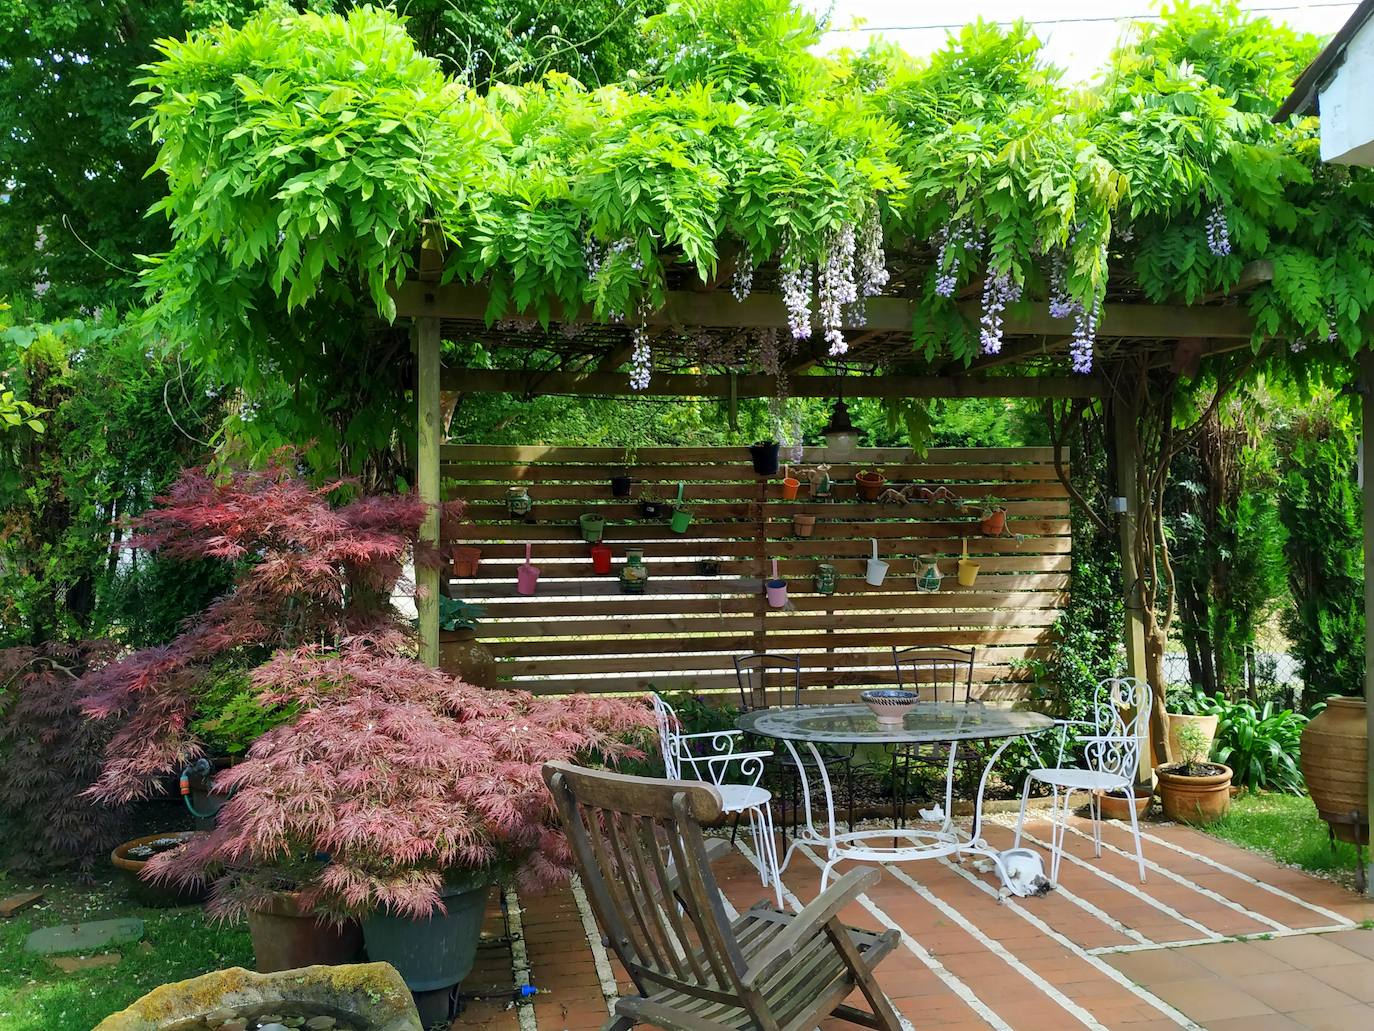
(870, 483)
(459, 650)
(994, 518)
(1193, 790)
(764, 455)
(421, 790)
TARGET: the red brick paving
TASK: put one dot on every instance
(1291, 980)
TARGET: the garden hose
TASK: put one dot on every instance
(201, 769)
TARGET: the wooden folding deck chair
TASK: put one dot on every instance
(647, 868)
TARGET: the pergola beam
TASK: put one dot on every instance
(890, 314)
(521, 383)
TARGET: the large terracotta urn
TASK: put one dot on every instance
(1206, 725)
(1334, 762)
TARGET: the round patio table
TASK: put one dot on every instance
(802, 728)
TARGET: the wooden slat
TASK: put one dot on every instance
(459, 487)
(727, 474)
(566, 511)
(624, 605)
(690, 649)
(473, 454)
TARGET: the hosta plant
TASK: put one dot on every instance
(400, 775)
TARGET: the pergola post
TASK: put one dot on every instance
(1367, 508)
(427, 424)
(1124, 418)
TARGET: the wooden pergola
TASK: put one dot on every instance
(1033, 363)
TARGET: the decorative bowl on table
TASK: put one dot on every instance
(889, 704)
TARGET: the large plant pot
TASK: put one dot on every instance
(1118, 807)
(1207, 725)
(461, 654)
(154, 893)
(287, 935)
(372, 994)
(1333, 761)
(1199, 800)
(437, 952)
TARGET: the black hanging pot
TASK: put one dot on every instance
(765, 456)
(620, 486)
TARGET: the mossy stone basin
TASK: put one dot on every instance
(372, 994)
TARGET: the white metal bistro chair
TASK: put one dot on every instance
(1111, 749)
(708, 757)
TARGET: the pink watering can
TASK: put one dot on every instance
(527, 575)
(776, 589)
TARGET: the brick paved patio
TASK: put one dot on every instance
(1103, 951)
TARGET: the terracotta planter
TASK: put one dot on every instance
(803, 524)
(994, 521)
(1116, 807)
(286, 936)
(1206, 725)
(1199, 800)
(466, 560)
(154, 893)
(870, 485)
(1333, 761)
(461, 654)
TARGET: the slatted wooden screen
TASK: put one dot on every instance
(580, 633)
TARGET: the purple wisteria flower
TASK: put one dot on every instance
(795, 280)
(836, 287)
(1061, 303)
(742, 282)
(999, 290)
(1218, 232)
(955, 239)
(1084, 336)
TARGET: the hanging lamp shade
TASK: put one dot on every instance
(841, 438)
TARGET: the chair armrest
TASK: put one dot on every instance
(819, 912)
(711, 733)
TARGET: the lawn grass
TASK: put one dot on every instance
(177, 944)
(1288, 828)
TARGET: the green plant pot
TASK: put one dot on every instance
(593, 527)
(436, 952)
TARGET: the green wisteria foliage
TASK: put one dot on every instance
(308, 156)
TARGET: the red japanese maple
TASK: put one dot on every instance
(311, 572)
(399, 774)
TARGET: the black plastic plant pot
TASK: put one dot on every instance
(655, 509)
(765, 457)
(620, 486)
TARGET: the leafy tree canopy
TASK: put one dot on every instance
(306, 157)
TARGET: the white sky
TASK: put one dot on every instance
(1078, 35)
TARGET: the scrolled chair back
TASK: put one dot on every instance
(1121, 711)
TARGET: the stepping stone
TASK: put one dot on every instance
(87, 937)
(15, 903)
(74, 964)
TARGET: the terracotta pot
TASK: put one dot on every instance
(803, 524)
(1200, 800)
(1333, 761)
(870, 485)
(154, 893)
(1207, 725)
(466, 559)
(286, 936)
(1115, 807)
(461, 654)
(994, 521)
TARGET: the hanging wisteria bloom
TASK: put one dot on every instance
(1218, 232)
(837, 287)
(1061, 304)
(955, 239)
(796, 279)
(872, 262)
(1332, 335)
(1084, 336)
(999, 290)
(642, 358)
(742, 282)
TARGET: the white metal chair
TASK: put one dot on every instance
(1111, 750)
(708, 757)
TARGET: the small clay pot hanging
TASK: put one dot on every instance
(870, 484)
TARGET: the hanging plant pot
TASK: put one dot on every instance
(968, 569)
(803, 524)
(870, 484)
(601, 558)
(877, 568)
(465, 560)
(765, 457)
(652, 508)
(593, 527)
(682, 517)
(527, 576)
(620, 486)
(929, 581)
(825, 578)
(518, 502)
(708, 567)
(790, 484)
(776, 589)
(994, 522)
(634, 575)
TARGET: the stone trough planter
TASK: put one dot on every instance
(369, 995)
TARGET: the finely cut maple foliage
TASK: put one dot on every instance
(49, 754)
(399, 774)
(310, 572)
